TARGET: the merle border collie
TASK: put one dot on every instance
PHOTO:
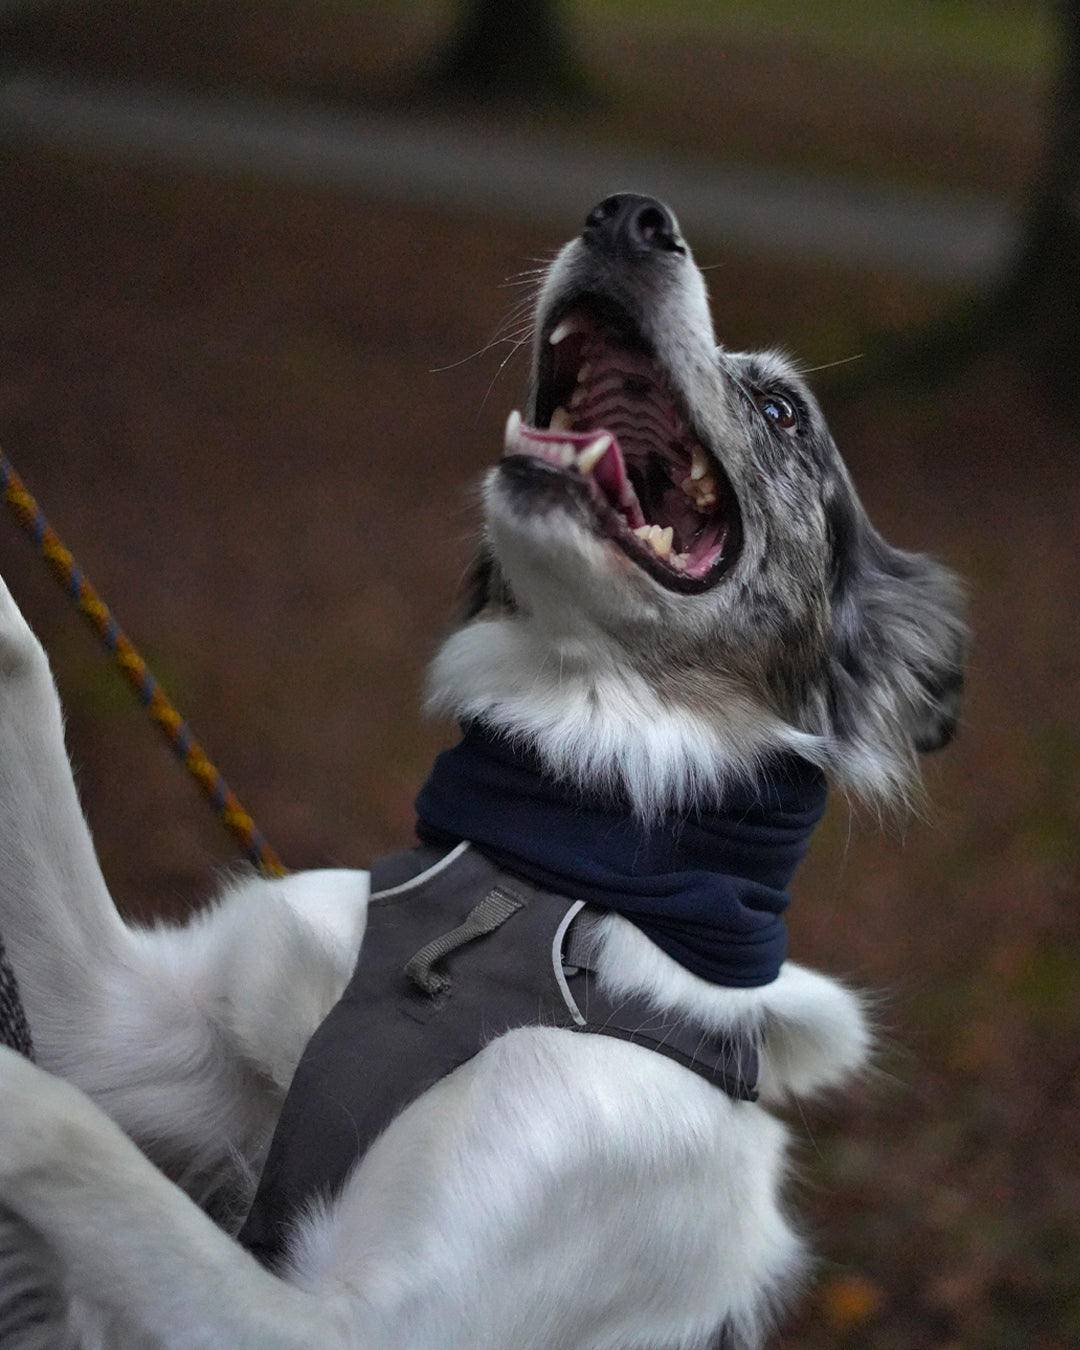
(518, 1085)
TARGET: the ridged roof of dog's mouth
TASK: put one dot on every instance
(607, 415)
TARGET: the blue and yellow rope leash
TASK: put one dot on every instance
(172, 726)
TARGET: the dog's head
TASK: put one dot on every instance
(677, 573)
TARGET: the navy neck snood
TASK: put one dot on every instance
(709, 888)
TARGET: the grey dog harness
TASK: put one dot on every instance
(456, 952)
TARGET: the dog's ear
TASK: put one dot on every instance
(898, 645)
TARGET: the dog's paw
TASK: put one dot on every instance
(817, 1034)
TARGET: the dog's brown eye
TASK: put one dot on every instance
(779, 412)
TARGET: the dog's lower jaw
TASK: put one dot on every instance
(558, 565)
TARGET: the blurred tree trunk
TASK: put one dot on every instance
(510, 51)
(1033, 307)
(1041, 294)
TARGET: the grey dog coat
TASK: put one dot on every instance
(455, 953)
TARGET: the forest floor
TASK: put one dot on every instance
(247, 409)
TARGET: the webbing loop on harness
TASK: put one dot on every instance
(491, 913)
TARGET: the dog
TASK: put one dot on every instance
(683, 624)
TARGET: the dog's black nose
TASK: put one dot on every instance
(632, 226)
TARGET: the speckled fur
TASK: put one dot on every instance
(823, 638)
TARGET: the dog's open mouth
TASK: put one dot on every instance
(607, 418)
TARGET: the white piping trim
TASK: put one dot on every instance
(420, 877)
(557, 965)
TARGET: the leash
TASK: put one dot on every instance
(149, 693)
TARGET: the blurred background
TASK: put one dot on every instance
(263, 273)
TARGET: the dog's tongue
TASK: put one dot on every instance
(593, 454)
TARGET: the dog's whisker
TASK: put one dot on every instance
(831, 365)
(530, 277)
(513, 328)
(515, 347)
(513, 341)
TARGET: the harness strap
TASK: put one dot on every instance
(731, 1063)
(401, 1026)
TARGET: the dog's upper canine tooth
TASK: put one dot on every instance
(593, 453)
(700, 485)
(512, 433)
(699, 463)
(564, 329)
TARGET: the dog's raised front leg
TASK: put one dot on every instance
(131, 1245)
(56, 916)
(186, 1036)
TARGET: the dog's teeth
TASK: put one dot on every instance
(701, 491)
(564, 329)
(584, 371)
(699, 464)
(513, 427)
(678, 561)
(566, 452)
(700, 486)
(577, 397)
(661, 540)
(560, 420)
(593, 453)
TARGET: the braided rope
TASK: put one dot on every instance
(172, 726)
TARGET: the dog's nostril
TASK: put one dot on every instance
(631, 225)
(655, 228)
